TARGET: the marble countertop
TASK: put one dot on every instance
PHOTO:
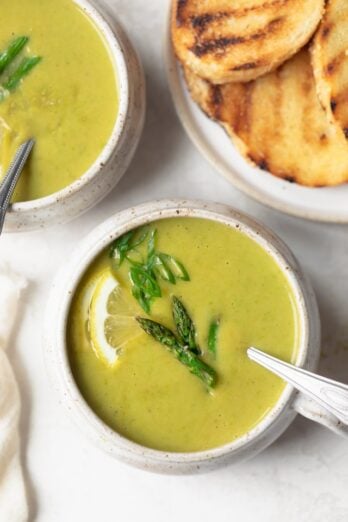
(302, 477)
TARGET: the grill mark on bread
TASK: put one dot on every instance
(242, 122)
(202, 20)
(263, 165)
(262, 162)
(219, 46)
(216, 46)
(247, 66)
(249, 106)
(206, 20)
(325, 31)
(180, 17)
(333, 66)
(216, 100)
(339, 100)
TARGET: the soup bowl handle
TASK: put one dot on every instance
(312, 410)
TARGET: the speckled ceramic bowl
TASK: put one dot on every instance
(273, 423)
(113, 161)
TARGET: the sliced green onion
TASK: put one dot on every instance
(126, 244)
(141, 298)
(151, 249)
(141, 239)
(15, 47)
(135, 258)
(120, 247)
(163, 269)
(213, 336)
(177, 267)
(144, 280)
(24, 68)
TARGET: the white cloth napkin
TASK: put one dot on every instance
(13, 503)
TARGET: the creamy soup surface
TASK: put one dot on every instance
(148, 395)
(68, 102)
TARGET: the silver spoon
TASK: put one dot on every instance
(11, 178)
(331, 394)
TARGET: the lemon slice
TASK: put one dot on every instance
(111, 319)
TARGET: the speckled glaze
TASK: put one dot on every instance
(58, 365)
(113, 161)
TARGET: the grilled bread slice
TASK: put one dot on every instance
(330, 62)
(278, 123)
(239, 40)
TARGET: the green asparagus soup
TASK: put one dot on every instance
(57, 85)
(159, 327)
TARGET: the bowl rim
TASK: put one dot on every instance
(69, 277)
(113, 42)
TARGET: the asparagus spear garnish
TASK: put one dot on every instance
(160, 333)
(24, 68)
(184, 326)
(166, 337)
(15, 47)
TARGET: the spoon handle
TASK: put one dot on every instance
(331, 394)
(11, 178)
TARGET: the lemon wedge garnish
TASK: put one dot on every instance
(111, 319)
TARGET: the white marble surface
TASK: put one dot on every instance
(302, 477)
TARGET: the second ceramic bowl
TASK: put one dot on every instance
(113, 161)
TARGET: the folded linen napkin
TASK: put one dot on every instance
(13, 503)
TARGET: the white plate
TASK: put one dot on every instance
(319, 204)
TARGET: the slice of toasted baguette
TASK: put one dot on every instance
(277, 122)
(330, 62)
(237, 41)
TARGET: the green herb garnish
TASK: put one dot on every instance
(23, 69)
(144, 286)
(15, 47)
(180, 349)
(146, 269)
(124, 245)
(176, 268)
(213, 336)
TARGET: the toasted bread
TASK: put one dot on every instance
(278, 123)
(237, 41)
(330, 62)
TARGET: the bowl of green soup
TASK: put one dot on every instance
(147, 330)
(77, 88)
